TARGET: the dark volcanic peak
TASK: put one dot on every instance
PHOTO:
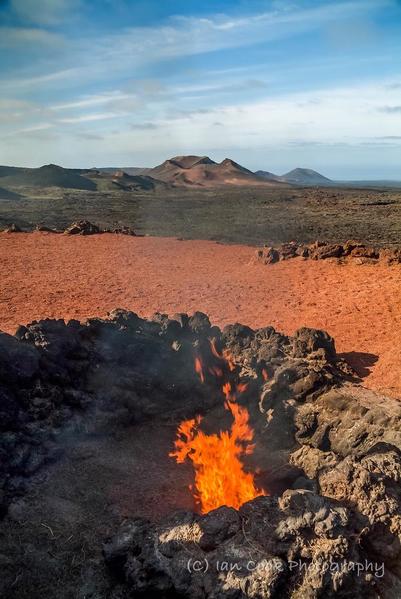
(136, 182)
(130, 170)
(268, 175)
(6, 171)
(231, 164)
(190, 161)
(305, 176)
(50, 175)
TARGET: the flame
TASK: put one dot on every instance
(222, 356)
(199, 369)
(220, 478)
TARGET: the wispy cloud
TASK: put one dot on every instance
(390, 109)
(390, 137)
(87, 102)
(118, 53)
(143, 126)
(87, 136)
(28, 83)
(86, 118)
(185, 36)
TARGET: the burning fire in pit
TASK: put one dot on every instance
(220, 478)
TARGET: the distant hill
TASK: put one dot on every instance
(6, 171)
(306, 176)
(123, 180)
(268, 176)
(50, 175)
(298, 176)
(179, 171)
(129, 170)
(371, 183)
(201, 171)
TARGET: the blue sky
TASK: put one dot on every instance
(272, 84)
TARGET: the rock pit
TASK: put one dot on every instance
(327, 451)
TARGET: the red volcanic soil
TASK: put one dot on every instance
(47, 275)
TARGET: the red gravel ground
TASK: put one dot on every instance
(48, 275)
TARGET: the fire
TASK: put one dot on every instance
(220, 478)
(199, 369)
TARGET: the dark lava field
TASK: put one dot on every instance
(232, 215)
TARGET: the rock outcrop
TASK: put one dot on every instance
(354, 251)
(327, 451)
(82, 227)
(125, 369)
(339, 539)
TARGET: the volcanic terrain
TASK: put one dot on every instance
(56, 276)
(202, 171)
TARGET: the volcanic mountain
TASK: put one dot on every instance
(298, 176)
(6, 171)
(268, 176)
(204, 172)
(306, 176)
(50, 175)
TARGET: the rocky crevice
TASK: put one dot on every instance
(327, 451)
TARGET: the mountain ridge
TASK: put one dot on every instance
(201, 171)
(178, 171)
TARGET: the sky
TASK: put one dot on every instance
(272, 84)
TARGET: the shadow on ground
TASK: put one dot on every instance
(361, 362)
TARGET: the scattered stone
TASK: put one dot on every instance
(390, 256)
(124, 231)
(45, 229)
(365, 252)
(288, 250)
(268, 255)
(13, 228)
(351, 245)
(82, 227)
(356, 251)
(321, 252)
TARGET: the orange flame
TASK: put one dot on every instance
(220, 478)
(199, 369)
(222, 356)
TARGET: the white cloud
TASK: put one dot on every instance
(185, 36)
(343, 114)
(121, 53)
(88, 101)
(38, 127)
(85, 118)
